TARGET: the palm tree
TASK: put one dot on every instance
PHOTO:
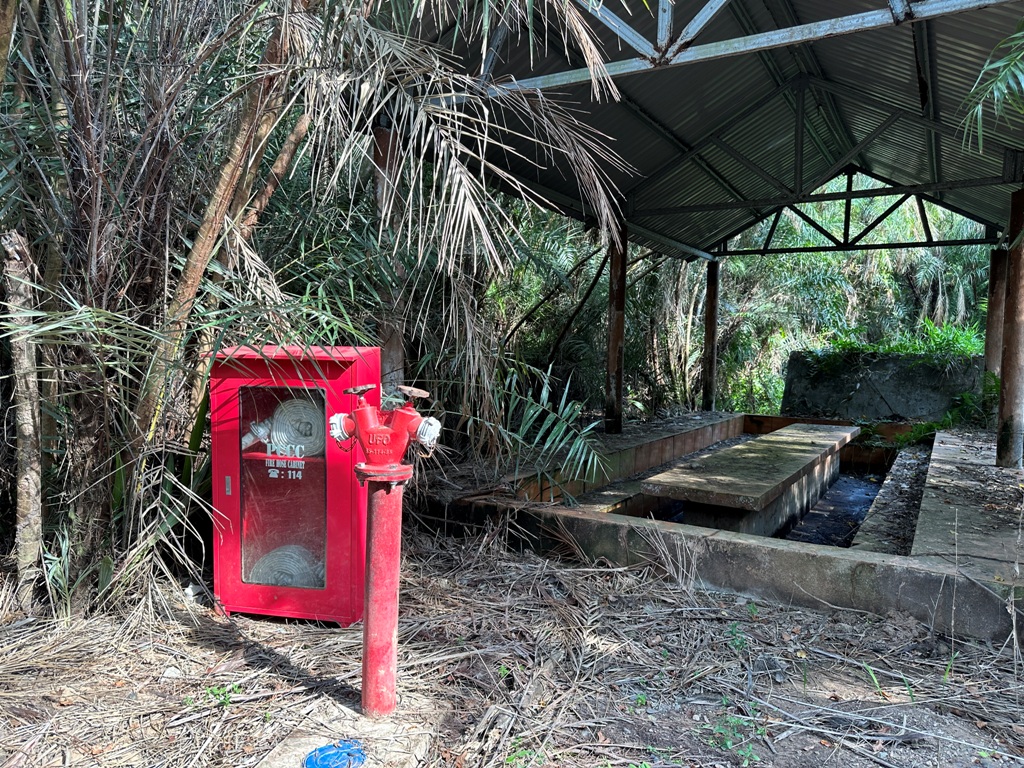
(143, 146)
(999, 87)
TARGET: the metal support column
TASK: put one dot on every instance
(616, 332)
(1010, 441)
(711, 337)
(996, 300)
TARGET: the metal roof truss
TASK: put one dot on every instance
(856, 242)
(801, 189)
(668, 51)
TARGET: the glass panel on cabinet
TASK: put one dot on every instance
(284, 486)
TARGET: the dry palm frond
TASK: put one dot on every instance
(450, 128)
(504, 655)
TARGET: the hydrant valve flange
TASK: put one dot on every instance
(385, 436)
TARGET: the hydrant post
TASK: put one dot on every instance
(384, 437)
(380, 622)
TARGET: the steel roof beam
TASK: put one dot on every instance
(703, 17)
(576, 208)
(857, 247)
(878, 220)
(798, 140)
(700, 146)
(901, 10)
(814, 223)
(762, 41)
(620, 28)
(946, 186)
(750, 165)
(771, 231)
(991, 229)
(857, 149)
(928, 86)
(822, 30)
(849, 91)
(923, 213)
(493, 45)
(808, 65)
(670, 242)
(848, 206)
(774, 202)
(664, 22)
(680, 146)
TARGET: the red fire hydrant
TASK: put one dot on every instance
(384, 437)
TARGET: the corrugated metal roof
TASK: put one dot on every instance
(693, 137)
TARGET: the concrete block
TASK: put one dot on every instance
(792, 572)
(877, 387)
(983, 539)
(628, 462)
(665, 450)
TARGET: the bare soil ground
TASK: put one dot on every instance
(507, 659)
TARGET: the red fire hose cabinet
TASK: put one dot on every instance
(289, 533)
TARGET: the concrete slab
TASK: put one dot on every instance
(777, 516)
(971, 511)
(642, 448)
(935, 585)
(751, 475)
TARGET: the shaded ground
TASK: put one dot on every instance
(512, 660)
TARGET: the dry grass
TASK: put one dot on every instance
(512, 660)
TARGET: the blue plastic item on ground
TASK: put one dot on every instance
(346, 753)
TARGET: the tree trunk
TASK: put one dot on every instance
(691, 312)
(1010, 436)
(29, 526)
(8, 14)
(580, 305)
(208, 239)
(613, 384)
(245, 229)
(392, 326)
(710, 337)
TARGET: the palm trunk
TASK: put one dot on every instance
(29, 526)
(8, 14)
(690, 314)
(208, 239)
(277, 172)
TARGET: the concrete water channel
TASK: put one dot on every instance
(742, 479)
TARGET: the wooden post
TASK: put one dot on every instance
(996, 303)
(711, 337)
(1010, 442)
(616, 332)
